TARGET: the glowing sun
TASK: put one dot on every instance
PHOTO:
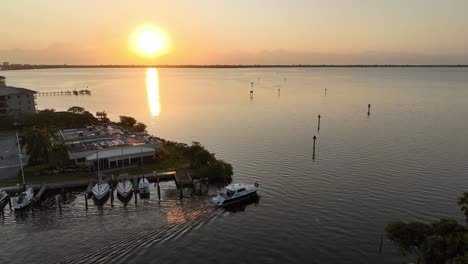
(149, 42)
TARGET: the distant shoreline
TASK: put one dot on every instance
(13, 67)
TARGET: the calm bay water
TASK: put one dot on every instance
(406, 161)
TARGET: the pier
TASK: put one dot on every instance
(65, 93)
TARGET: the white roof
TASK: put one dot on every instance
(117, 152)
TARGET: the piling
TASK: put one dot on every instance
(59, 202)
(9, 203)
(313, 151)
(279, 91)
(159, 189)
(318, 128)
(381, 242)
(251, 94)
(325, 91)
(136, 198)
(180, 194)
(251, 84)
(368, 109)
(112, 196)
(86, 200)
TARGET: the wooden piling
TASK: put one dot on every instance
(313, 151)
(181, 194)
(251, 94)
(112, 196)
(9, 203)
(368, 109)
(279, 91)
(59, 202)
(159, 189)
(251, 84)
(86, 200)
(381, 242)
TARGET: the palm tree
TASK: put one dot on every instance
(37, 141)
(463, 201)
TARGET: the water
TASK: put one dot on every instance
(406, 161)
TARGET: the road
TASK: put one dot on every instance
(9, 160)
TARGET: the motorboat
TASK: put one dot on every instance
(235, 193)
(101, 191)
(23, 199)
(143, 188)
(3, 199)
(124, 191)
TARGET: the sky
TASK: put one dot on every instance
(237, 31)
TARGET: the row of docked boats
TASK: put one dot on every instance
(101, 190)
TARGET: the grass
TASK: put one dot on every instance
(48, 178)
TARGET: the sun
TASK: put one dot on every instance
(149, 42)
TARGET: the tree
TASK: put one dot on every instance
(127, 122)
(443, 241)
(37, 141)
(76, 109)
(463, 201)
(218, 171)
(58, 155)
(140, 127)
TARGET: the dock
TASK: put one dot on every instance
(183, 178)
(65, 93)
(42, 190)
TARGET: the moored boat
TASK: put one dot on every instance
(124, 191)
(3, 199)
(101, 191)
(235, 193)
(23, 199)
(143, 188)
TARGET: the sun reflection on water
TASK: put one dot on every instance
(152, 91)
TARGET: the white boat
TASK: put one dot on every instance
(235, 193)
(23, 199)
(125, 191)
(101, 189)
(3, 199)
(143, 188)
(101, 192)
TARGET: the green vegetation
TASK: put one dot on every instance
(131, 124)
(443, 241)
(37, 141)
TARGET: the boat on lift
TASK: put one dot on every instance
(143, 187)
(23, 199)
(124, 191)
(3, 199)
(235, 193)
(101, 190)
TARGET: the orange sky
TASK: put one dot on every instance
(237, 32)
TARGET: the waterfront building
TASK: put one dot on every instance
(110, 144)
(15, 100)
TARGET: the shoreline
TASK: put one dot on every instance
(230, 66)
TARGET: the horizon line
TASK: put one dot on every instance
(56, 66)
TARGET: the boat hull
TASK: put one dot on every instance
(237, 200)
(125, 197)
(101, 200)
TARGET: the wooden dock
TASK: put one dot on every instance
(183, 178)
(64, 93)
